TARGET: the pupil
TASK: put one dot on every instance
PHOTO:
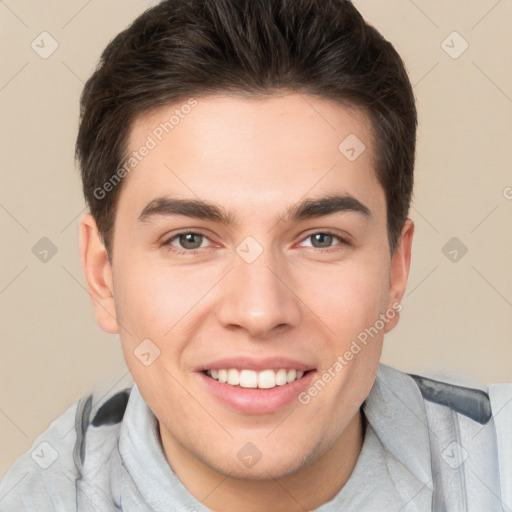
(323, 238)
(186, 241)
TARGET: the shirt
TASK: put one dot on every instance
(115, 460)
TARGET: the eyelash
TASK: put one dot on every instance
(172, 248)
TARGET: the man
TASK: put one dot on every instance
(249, 167)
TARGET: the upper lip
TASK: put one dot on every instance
(250, 363)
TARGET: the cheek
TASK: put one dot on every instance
(349, 301)
(152, 299)
(163, 304)
(348, 298)
(150, 302)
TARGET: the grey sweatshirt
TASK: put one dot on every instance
(108, 457)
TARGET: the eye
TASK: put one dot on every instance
(324, 240)
(190, 241)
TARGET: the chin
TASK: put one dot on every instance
(279, 465)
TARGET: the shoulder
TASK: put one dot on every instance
(452, 437)
(470, 401)
(479, 405)
(469, 430)
(45, 478)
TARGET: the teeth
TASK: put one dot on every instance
(265, 379)
(291, 375)
(281, 377)
(233, 377)
(248, 378)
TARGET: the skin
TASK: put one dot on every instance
(255, 158)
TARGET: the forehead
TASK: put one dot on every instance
(252, 152)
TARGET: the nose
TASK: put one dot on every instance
(259, 298)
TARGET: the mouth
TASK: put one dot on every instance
(256, 392)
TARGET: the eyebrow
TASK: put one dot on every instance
(304, 210)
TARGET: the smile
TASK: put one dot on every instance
(249, 391)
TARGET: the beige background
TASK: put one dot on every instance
(457, 316)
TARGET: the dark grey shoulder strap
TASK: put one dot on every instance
(112, 411)
(463, 447)
(473, 403)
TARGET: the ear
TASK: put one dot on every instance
(98, 274)
(400, 264)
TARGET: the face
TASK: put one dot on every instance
(277, 276)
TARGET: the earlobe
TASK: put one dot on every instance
(98, 274)
(400, 264)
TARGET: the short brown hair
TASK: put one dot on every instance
(184, 48)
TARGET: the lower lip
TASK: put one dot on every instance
(255, 400)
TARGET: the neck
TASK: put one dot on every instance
(306, 489)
